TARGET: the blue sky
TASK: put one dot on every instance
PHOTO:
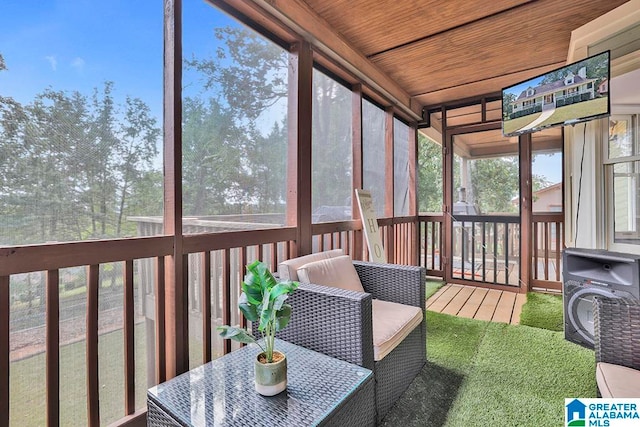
(517, 89)
(80, 44)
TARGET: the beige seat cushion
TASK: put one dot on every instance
(287, 270)
(617, 381)
(337, 272)
(392, 322)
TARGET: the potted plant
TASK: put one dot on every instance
(263, 300)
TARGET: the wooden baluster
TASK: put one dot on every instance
(5, 307)
(226, 294)
(53, 347)
(160, 321)
(129, 341)
(205, 288)
(93, 382)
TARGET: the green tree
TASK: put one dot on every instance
(430, 196)
(99, 161)
(44, 187)
(331, 143)
(212, 149)
(507, 106)
(137, 147)
(229, 165)
(267, 169)
(494, 183)
(244, 72)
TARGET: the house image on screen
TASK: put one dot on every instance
(571, 89)
(576, 410)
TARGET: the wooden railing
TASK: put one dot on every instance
(486, 248)
(431, 241)
(214, 266)
(399, 238)
(50, 260)
(547, 244)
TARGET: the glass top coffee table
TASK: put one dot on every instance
(321, 391)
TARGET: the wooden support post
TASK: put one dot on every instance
(299, 154)
(357, 165)
(389, 181)
(413, 229)
(526, 216)
(177, 325)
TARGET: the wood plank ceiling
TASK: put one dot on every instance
(443, 51)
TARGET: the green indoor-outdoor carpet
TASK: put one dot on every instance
(543, 311)
(493, 374)
(432, 287)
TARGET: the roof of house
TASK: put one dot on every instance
(552, 87)
(547, 189)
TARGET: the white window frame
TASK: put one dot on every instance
(608, 164)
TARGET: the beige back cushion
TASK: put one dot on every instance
(337, 272)
(287, 270)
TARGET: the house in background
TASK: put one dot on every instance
(572, 87)
(603, 87)
(548, 199)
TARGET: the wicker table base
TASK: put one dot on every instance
(321, 391)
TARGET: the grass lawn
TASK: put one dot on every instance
(28, 392)
(515, 124)
(581, 109)
(493, 374)
(561, 114)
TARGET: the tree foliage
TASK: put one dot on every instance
(429, 175)
(245, 166)
(494, 183)
(72, 165)
(596, 68)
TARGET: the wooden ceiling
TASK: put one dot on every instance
(443, 51)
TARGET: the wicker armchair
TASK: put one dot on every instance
(617, 346)
(338, 323)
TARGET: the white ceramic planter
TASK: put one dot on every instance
(271, 378)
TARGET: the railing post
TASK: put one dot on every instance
(5, 307)
(299, 153)
(177, 324)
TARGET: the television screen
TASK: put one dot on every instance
(567, 95)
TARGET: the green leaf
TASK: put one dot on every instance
(262, 275)
(248, 310)
(266, 312)
(235, 333)
(282, 317)
(285, 287)
(277, 304)
(252, 289)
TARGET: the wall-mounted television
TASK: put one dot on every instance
(567, 95)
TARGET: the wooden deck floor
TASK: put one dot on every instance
(478, 303)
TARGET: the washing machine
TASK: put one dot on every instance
(594, 272)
